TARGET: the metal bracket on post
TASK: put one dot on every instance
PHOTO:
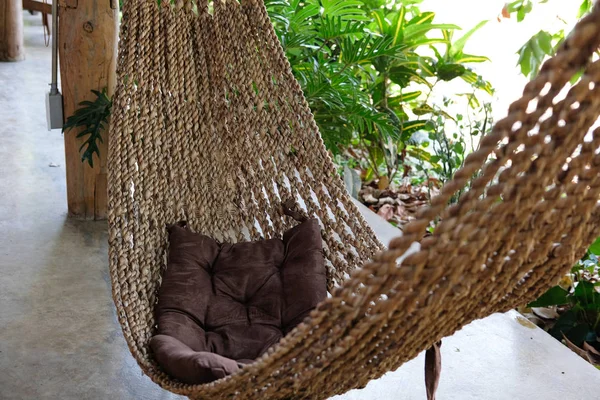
(54, 101)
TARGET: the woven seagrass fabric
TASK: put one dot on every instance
(210, 126)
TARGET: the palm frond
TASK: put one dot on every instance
(330, 28)
(346, 9)
(366, 50)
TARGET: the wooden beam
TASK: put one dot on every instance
(87, 34)
(33, 5)
(11, 31)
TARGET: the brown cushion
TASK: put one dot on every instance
(233, 300)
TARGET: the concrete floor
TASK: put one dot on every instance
(59, 338)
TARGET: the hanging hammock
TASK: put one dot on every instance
(211, 127)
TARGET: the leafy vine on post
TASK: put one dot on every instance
(93, 117)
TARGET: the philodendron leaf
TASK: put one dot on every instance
(92, 116)
(595, 247)
(555, 296)
(584, 292)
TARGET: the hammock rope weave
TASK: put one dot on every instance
(209, 125)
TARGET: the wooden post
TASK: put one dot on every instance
(11, 31)
(87, 34)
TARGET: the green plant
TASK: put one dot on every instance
(577, 297)
(521, 8)
(543, 44)
(367, 73)
(92, 117)
(578, 303)
(449, 141)
(533, 53)
(368, 69)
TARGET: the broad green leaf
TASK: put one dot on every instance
(419, 153)
(445, 115)
(423, 18)
(379, 17)
(554, 296)
(521, 7)
(399, 25)
(447, 34)
(578, 334)
(448, 72)
(402, 76)
(379, 91)
(533, 53)
(414, 30)
(422, 109)
(414, 125)
(475, 80)
(595, 247)
(410, 96)
(92, 116)
(426, 64)
(369, 175)
(409, 62)
(576, 77)
(584, 293)
(473, 100)
(469, 58)
(410, 127)
(436, 52)
(525, 60)
(459, 45)
(398, 101)
(564, 323)
(545, 42)
(584, 8)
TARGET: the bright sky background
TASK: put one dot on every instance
(499, 41)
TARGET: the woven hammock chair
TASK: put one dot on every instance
(209, 125)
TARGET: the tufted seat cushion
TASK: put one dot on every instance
(222, 305)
